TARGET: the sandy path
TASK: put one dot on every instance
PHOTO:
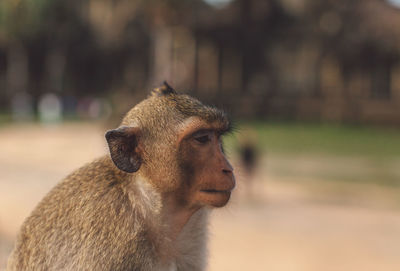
(289, 235)
(289, 225)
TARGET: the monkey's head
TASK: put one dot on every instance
(174, 142)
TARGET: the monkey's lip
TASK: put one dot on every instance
(215, 191)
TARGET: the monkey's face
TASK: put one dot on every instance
(174, 141)
(207, 175)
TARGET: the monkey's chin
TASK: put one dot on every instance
(215, 198)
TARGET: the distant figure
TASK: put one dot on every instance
(248, 158)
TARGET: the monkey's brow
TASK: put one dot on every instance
(202, 131)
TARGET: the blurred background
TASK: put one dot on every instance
(313, 87)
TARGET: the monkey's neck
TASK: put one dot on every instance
(165, 213)
(185, 236)
(174, 215)
(169, 224)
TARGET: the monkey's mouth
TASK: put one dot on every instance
(214, 191)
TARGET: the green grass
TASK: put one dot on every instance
(338, 140)
(4, 118)
(331, 152)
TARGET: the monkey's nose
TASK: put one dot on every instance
(227, 168)
(230, 178)
(227, 171)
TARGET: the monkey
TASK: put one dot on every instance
(144, 205)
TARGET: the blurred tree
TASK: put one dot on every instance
(273, 57)
(55, 46)
(20, 19)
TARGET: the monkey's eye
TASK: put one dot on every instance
(203, 139)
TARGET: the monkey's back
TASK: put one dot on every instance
(79, 225)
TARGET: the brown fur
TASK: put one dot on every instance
(145, 208)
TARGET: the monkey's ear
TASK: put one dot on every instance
(123, 143)
(165, 89)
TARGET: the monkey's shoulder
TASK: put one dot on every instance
(99, 174)
(101, 170)
(79, 213)
(85, 187)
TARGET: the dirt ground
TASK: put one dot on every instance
(282, 223)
